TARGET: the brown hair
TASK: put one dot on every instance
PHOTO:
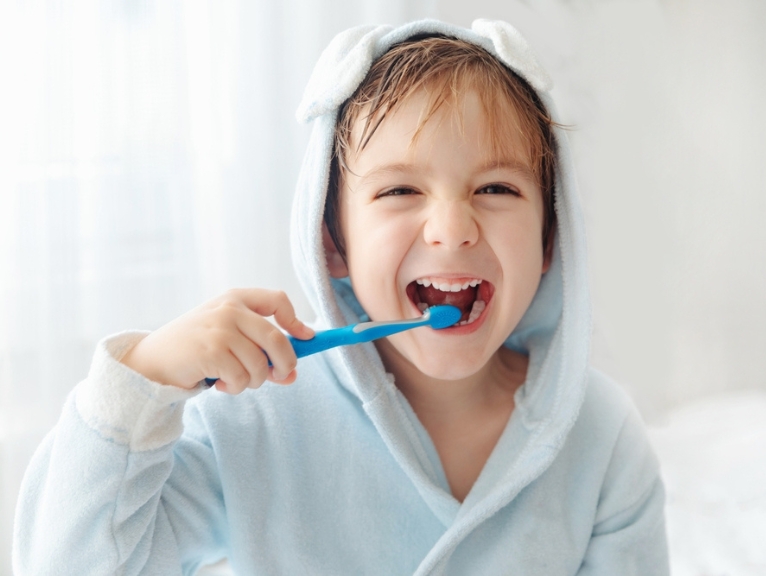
(446, 68)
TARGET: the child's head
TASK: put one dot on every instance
(447, 68)
(441, 191)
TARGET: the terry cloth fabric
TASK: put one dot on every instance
(335, 474)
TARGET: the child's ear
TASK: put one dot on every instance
(335, 262)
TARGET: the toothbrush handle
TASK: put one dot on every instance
(354, 334)
(325, 340)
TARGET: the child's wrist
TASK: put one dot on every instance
(135, 359)
(125, 406)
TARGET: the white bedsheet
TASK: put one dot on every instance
(713, 456)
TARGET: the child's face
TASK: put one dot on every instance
(442, 208)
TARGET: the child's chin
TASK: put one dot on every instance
(452, 368)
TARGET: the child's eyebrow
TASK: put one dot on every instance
(513, 165)
(488, 166)
(395, 168)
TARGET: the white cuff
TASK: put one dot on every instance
(126, 407)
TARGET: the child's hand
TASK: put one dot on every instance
(226, 338)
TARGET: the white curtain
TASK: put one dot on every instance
(148, 154)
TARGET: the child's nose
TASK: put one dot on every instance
(451, 224)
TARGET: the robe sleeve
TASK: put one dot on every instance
(115, 488)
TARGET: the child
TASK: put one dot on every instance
(485, 448)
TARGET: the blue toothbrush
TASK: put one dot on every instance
(437, 317)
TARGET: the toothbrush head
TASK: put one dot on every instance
(442, 316)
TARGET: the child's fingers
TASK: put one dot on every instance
(289, 379)
(252, 358)
(232, 376)
(271, 340)
(274, 303)
(290, 322)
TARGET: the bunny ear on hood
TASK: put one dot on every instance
(512, 49)
(346, 61)
(555, 331)
(340, 69)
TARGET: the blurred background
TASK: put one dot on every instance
(148, 154)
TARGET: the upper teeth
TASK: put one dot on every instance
(447, 286)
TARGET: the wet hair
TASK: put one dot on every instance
(446, 69)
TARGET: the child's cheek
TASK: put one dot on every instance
(377, 247)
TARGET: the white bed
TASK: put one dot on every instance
(713, 456)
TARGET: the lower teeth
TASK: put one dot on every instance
(476, 310)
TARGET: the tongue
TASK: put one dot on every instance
(433, 296)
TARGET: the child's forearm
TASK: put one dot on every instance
(100, 495)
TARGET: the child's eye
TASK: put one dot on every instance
(396, 192)
(497, 189)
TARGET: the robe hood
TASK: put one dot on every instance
(554, 332)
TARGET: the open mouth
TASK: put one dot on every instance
(470, 295)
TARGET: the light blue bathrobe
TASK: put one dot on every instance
(335, 474)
